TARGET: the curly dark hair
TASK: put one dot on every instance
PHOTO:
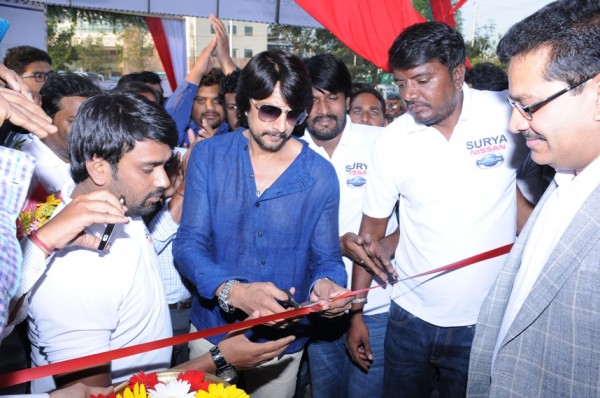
(17, 58)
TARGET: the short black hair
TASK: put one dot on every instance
(17, 58)
(138, 87)
(108, 125)
(60, 85)
(264, 71)
(569, 29)
(366, 88)
(426, 42)
(229, 83)
(328, 72)
(212, 78)
(487, 76)
(144, 76)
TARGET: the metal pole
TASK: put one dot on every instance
(231, 38)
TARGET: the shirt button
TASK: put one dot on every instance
(260, 234)
(251, 175)
(263, 261)
(257, 204)
(245, 147)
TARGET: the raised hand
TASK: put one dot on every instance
(227, 64)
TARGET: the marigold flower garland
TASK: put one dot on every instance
(33, 218)
(189, 384)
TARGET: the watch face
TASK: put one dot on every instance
(224, 305)
(227, 374)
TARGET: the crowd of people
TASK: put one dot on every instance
(248, 191)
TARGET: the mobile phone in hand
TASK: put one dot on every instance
(109, 230)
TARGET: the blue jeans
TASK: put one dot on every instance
(332, 372)
(420, 356)
(369, 384)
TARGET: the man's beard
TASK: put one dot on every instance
(267, 146)
(327, 134)
(144, 208)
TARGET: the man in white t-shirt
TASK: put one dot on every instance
(89, 301)
(62, 95)
(451, 162)
(348, 147)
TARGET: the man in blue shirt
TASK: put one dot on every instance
(260, 216)
(196, 104)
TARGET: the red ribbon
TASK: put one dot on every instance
(25, 375)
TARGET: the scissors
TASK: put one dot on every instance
(292, 303)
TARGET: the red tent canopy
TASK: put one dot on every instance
(369, 27)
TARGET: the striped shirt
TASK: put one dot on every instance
(16, 169)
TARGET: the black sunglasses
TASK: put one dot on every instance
(270, 113)
(529, 110)
(39, 77)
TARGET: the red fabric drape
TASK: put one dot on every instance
(367, 27)
(162, 47)
(442, 12)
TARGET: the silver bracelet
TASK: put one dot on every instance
(359, 300)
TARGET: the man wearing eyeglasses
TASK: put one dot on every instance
(260, 222)
(451, 162)
(537, 334)
(32, 64)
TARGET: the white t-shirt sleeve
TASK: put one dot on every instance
(382, 191)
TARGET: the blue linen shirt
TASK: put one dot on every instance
(287, 236)
(179, 105)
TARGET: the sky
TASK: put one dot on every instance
(505, 13)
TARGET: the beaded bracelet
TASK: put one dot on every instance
(359, 300)
(38, 242)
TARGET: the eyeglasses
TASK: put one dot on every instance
(270, 113)
(529, 110)
(39, 77)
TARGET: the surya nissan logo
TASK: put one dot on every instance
(490, 161)
(356, 174)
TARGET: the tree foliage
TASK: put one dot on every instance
(88, 54)
(482, 48)
(60, 31)
(306, 42)
(136, 48)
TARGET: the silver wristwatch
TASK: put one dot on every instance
(223, 297)
(224, 370)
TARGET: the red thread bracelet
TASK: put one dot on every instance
(38, 242)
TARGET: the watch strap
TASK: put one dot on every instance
(223, 297)
(224, 370)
